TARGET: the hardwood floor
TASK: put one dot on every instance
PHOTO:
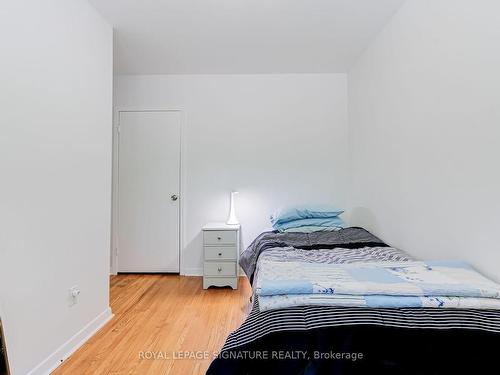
(161, 316)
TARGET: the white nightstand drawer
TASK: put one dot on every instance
(220, 269)
(220, 252)
(219, 237)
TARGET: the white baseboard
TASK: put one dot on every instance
(69, 347)
(192, 271)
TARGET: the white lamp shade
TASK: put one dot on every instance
(232, 219)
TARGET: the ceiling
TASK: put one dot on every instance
(242, 36)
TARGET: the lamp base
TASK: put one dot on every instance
(232, 219)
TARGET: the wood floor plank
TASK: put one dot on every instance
(161, 316)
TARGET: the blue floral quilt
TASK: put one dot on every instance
(449, 284)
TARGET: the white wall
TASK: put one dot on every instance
(425, 131)
(55, 168)
(277, 139)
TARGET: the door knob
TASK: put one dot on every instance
(174, 197)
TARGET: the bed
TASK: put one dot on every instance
(310, 336)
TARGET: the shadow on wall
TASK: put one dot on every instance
(191, 256)
(363, 217)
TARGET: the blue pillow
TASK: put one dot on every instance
(316, 222)
(286, 214)
(311, 229)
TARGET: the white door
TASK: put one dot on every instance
(148, 191)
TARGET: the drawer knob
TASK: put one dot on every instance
(219, 269)
(219, 238)
(220, 254)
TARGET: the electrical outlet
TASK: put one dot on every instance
(74, 295)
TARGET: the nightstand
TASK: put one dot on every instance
(221, 249)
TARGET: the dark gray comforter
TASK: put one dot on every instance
(346, 238)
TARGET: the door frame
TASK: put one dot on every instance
(114, 251)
